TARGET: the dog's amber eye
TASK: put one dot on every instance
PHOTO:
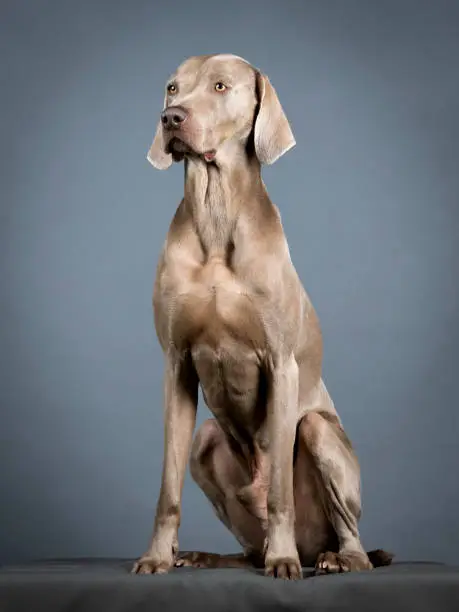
(171, 89)
(220, 86)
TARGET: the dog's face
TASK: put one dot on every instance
(213, 100)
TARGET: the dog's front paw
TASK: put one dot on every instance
(159, 559)
(287, 567)
(152, 565)
(160, 556)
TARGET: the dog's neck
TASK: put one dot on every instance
(215, 194)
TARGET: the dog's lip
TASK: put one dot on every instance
(210, 155)
(177, 144)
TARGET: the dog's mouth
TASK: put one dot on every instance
(177, 145)
(178, 148)
(209, 156)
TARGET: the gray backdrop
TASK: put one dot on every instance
(370, 203)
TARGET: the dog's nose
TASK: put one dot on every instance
(173, 117)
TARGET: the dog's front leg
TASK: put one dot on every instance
(181, 399)
(281, 555)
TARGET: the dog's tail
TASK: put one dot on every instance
(379, 557)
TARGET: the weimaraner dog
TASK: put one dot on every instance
(232, 316)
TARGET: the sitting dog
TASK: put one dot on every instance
(232, 316)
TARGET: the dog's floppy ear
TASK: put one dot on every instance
(272, 134)
(156, 155)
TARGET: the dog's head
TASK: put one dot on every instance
(214, 100)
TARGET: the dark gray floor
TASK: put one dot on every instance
(90, 585)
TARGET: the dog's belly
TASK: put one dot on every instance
(233, 386)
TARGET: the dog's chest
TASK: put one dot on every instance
(212, 306)
(214, 316)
